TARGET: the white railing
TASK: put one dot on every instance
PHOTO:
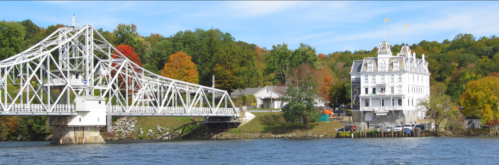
(175, 110)
(40, 108)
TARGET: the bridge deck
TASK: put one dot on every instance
(65, 110)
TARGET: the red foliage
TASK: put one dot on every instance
(129, 52)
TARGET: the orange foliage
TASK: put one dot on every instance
(322, 56)
(181, 67)
(325, 80)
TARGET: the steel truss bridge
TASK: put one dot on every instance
(78, 61)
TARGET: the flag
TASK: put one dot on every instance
(406, 25)
(386, 19)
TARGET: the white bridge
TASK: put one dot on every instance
(77, 61)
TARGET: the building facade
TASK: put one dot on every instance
(271, 96)
(386, 89)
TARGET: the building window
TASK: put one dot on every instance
(391, 78)
(367, 79)
(395, 65)
(378, 116)
(382, 90)
(369, 66)
(393, 102)
(400, 78)
(374, 91)
(367, 103)
(382, 102)
(400, 90)
(383, 79)
(389, 115)
(400, 102)
(366, 90)
(374, 78)
(393, 90)
(401, 114)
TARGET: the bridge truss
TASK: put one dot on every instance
(78, 61)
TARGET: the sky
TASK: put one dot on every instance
(328, 26)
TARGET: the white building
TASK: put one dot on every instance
(270, 96)
(386, 89)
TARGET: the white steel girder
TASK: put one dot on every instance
(78, 61)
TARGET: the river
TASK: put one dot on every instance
(428, 150)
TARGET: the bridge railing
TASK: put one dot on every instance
(40, 108)
(176, 110)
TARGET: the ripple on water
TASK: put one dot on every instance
(273, 151)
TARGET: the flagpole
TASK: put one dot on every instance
(384, 25)
(405, 34)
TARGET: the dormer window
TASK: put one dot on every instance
(369, 66)
(382, 66)
(395, 65)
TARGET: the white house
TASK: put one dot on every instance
(270, 96)
(386, 89)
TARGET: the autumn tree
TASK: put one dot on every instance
(180, 67)
(129, 53)
(481, 98)
(324, 82)
(301, 94)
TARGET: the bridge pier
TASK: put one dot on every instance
(77, 135)
(83, 128)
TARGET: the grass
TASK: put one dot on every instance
(274, 123)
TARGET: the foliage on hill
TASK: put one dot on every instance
(239, 65)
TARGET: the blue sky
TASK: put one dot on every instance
(328, 26)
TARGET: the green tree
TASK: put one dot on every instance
(440, 108)
(301, 96)
(11, 38)
(278, 61)
(338, 94)
(31, 29)
(481, 98)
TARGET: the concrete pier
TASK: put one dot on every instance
(83, 128)
(77, 135)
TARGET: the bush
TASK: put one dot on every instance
(345, 134)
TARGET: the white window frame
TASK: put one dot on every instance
(395, 65)
(369, 66)
(400, 78)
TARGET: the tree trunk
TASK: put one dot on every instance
(437, 126)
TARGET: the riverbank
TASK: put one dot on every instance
(265, 125)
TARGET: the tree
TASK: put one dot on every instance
(128, 35)
(11, 38)
(439, 107)
(481, 98)
(278, 62)
(31, 29)
(129, 53)
(180, 67)
(338, 94)
(301, 94)
(325, 80)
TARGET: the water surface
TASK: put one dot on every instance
(428, 150)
